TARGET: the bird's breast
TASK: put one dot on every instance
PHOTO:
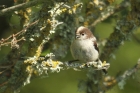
(84, 50)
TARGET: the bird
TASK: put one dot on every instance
(84, 47)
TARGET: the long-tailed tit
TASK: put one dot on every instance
(84, 48)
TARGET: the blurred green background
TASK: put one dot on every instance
(125, 57)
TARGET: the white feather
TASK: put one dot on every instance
(84, 50)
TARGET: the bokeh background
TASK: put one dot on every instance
(125, 57)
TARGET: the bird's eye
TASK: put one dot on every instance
(83, 34)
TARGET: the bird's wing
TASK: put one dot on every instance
(95, 45)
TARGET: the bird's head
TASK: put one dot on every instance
(83, 33)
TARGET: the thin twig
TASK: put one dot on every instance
(6, 66)
(136, 38)
(3, 83)
(4, 41)
(20, 6)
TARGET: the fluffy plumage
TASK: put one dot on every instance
(84, 47)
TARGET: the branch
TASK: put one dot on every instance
(20, 6)
(136, 38)
(37, 66)
(111, 81)
(110, 11)
(56, 66)
(12, 39)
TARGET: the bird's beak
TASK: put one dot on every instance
(77, 36)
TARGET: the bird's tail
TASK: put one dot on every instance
(102, 63)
